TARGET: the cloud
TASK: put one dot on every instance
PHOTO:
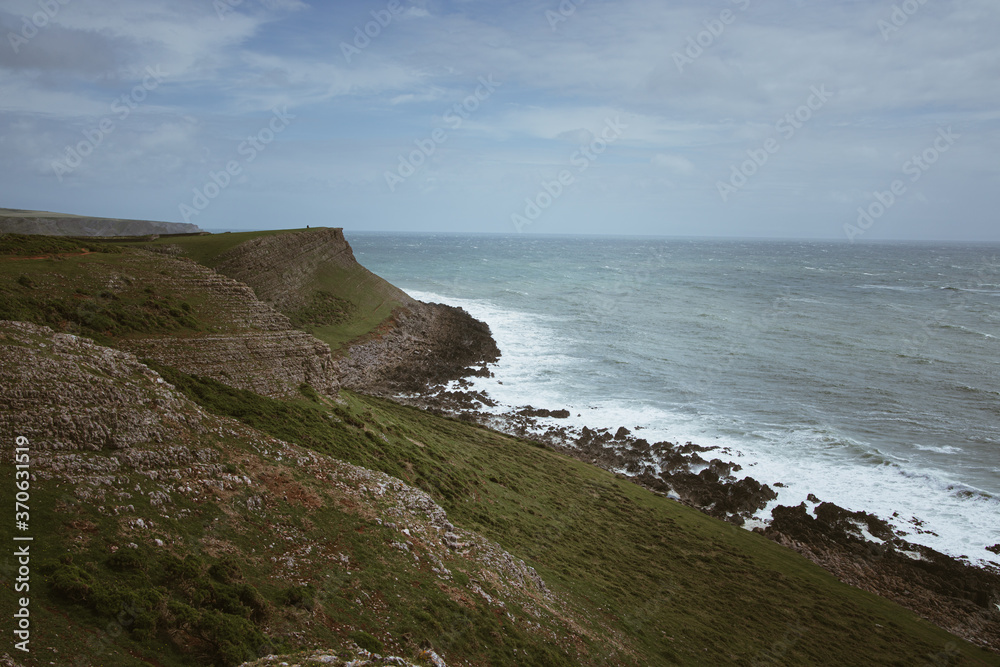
(686, 127)
(674, 163)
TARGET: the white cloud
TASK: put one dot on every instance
(675, 163)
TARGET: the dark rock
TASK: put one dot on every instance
(947, 592)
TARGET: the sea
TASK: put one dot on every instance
(865, 374)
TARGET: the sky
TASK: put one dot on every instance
(858, 120)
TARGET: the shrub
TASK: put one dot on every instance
(125, 560)
(302, 597)
(367, 642)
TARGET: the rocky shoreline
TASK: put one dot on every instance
(858, 548)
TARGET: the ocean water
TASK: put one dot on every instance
(868, 374)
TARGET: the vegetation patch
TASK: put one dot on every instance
(36, 245)
(323, 308)
(99, 316)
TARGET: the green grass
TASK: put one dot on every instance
(342, 304)
(206, 249)
(645, 580)
(103, 296)
(681, 586)
(31, 245)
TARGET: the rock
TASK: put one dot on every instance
(539, 412)
(622, 433)
(256, 349)
(941, 589)
(425, 345)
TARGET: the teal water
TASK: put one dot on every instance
(868, 375)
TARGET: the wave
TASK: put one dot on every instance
(943, 449)
(894, 288)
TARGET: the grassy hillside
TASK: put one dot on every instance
(680, 586)
(336, 301)
(300, 557)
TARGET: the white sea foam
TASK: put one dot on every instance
(535, 369)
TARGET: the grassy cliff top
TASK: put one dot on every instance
(221, 541)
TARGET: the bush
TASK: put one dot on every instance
(71, 582)
(367, 642)
(226, 570)
(188, 569)
(302, 597)
(126, 560)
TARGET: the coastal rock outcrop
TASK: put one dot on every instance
(284, 269)
(425, 345)
(416, 345)
(864, 551)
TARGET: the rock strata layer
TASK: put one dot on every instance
(259, 350)
(425, 345)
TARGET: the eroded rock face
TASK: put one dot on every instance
(421, 345)
(258, 350)
(99, 421)
(427, 345)
(47, 399)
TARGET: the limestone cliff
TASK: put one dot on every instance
(137, 467)
(173, 311)
(14, 221)
(397, 344)
(260, 351)
(284, 269)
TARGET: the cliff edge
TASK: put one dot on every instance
(17, 221)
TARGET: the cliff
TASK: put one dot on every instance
(150, 474)
(208, 504)
(171, 310)
(15, 221)
(384, 341)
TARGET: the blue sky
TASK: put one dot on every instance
(862, 120)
